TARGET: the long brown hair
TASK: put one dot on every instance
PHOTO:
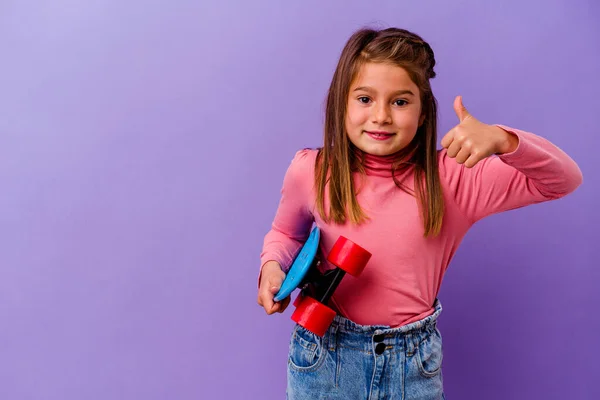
(338, 159)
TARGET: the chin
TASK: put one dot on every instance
(379, 150)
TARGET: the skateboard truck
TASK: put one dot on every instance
(311, 312)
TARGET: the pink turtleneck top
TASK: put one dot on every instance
(402, 279)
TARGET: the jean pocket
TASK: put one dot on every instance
(306, 350)
(430, 355)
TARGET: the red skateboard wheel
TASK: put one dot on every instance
(348, 256)
(314, 316)
(298, 300)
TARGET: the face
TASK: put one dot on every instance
(384, 109)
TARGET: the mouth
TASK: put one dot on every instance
(379, 135)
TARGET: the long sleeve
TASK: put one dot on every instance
(535, 172)
(293, 219)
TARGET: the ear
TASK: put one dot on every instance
(421, 120)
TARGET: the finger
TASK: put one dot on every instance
(278, 306)
(266, 299)
(448, 138)
(283, 304)
(270, 305)
(454, 148)
(463, 155)
(275, 308)
(274, 289)
(474, 159)
(460, 109)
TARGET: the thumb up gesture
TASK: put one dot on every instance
(471, 140)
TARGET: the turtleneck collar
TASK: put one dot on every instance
(380, 165)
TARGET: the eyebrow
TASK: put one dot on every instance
(396, 93)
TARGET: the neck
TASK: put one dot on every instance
(375, 165)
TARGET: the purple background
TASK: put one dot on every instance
(142, 150)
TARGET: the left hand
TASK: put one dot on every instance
(471, 140)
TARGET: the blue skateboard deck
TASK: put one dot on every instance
(300, 266)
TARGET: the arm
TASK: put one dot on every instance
(528, 169)
(293, 219)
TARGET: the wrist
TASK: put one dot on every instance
(268, 268)
(271, 267)
(508, 141)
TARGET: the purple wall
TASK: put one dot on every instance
(142, 149)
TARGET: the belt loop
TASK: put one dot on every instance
(410, 346)
(333, 337)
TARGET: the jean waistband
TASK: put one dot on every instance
(363, 335)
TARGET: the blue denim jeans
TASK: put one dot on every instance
(359, 362)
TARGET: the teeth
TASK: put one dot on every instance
(379, 135)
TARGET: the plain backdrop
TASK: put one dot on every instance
(142, 150)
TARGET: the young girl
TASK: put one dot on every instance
(380, 181)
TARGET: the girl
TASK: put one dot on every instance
(380, 181)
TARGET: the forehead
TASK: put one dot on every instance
(383, 77)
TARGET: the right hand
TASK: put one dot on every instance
(272, 277)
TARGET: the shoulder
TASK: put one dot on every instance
(306, 155)
(304, 161)
(302, 166)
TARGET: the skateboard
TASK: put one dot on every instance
(316, 288)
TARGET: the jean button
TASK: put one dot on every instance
(378, 338)
(380, 348)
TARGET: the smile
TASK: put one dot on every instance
(379, 135)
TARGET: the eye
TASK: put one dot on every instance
(400, 102)
(364, 99)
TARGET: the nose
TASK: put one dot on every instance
(381, 114)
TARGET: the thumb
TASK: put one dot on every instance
(274, 288)
(460, 110)
(275, 284)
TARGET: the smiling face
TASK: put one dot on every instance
(383, 110)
